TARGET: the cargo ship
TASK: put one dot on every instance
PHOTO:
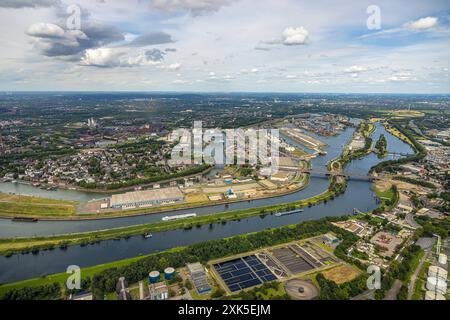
(24, 219)
(180, 216)
(285, 213)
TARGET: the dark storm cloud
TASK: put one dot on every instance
(17, 4)
(52, 40)
(151, 38)
(155, 55)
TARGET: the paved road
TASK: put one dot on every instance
(410, 220)
(393, 291)
(416, 273)
(366, 295)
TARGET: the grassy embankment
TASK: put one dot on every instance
(396, 133)
(17, 205)
(62, 277)
(420, 280)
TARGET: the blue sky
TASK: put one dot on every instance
(225, 45)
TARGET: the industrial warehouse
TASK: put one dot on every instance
(146, 198)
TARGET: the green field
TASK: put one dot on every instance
(16, 205)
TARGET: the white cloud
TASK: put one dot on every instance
(294, 36)
(113, 57)
(46, 30)
(422, 24)
(180, 81)
(356, 69)
(402, 77)
(174, 66)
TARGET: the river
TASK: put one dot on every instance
(358, 195)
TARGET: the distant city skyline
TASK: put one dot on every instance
(225, 46)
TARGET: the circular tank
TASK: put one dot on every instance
(437, 284)
(153, 277)
(437, 272)
(431, 295)
(169, 273)
(442, 258)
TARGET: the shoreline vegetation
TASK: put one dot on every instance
(381, 147)
(205, 168)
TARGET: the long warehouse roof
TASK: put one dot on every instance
(146, 195)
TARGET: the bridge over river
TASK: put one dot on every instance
(346, 175)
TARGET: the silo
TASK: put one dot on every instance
(153, 277)
(169, 273)
(437, 272)
(442, 258)
(437, 284)
(431, 295)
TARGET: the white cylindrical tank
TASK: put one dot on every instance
(431, 295)
(437, 272)
(442, 258)
(437, 284)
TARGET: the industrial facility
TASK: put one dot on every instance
(146, 198)
(122, 290)
(199, 278)
(436, 284)
(158, 291)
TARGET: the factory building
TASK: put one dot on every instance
(158, 291)
(146, 198)
(122, 290)
(199, 277)
(330, 239)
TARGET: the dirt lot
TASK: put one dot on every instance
(383, 185)
(387, 241)
(341, 274)
(196, 197)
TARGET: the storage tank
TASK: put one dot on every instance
(431, 295)
(442, 258)
(169, 273)
(437, 284)
(153, 277)
(437, 272)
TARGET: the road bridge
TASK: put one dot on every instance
(346, 175)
